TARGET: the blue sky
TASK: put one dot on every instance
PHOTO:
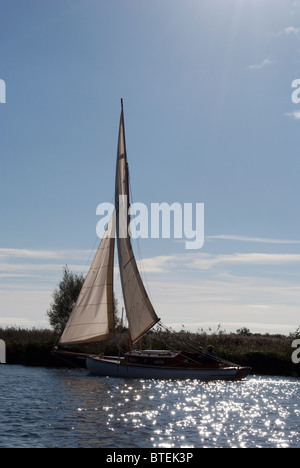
(209, 119)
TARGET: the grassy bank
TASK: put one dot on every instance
(29, 347)
(266, 354)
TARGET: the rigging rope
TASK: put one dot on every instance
(185, 342)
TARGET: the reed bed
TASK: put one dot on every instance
(266, 354)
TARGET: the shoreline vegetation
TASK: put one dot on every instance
(266, 354)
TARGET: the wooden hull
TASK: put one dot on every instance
(114, 367)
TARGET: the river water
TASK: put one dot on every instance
(70, 408)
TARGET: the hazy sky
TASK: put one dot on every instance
(207, 88)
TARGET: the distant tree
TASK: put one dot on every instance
(64, 299)
(117, 319)
(244, 331)
(297, 332)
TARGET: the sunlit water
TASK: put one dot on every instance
(69, 408)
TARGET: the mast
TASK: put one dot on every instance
(139, 310)
(93, 316)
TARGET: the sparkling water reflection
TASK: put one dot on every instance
(64, 408)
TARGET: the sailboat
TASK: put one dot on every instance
(92, 319)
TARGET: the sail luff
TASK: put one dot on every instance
(139, 310)
(93, 316)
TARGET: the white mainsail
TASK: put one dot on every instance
(139, 310)
(93, 318)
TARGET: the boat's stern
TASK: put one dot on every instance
(242, 373)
